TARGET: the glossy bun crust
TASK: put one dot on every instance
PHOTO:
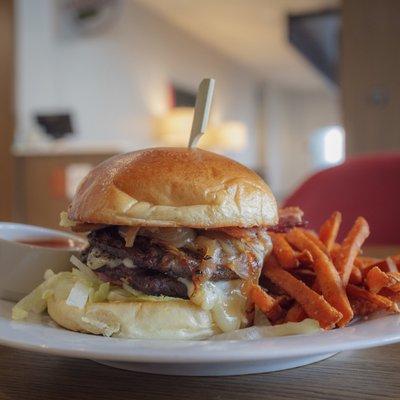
(173, 187)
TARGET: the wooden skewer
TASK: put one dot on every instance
(201, 110)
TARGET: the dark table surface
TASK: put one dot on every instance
(362, 374)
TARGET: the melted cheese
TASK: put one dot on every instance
(226, 302)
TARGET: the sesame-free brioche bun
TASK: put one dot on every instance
(178, 319)
(173, 187)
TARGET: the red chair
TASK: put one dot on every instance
(365, 185)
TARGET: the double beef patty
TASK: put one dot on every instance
(157, 266)
(149, 282)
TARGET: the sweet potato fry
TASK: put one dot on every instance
(355, 276)
(395, 275)
(390, 294)
(312, 236)
(305, 258)
(376, 279)
(359, 263)
(266, 303)
(261, 298)
(314, 305)
(316, 287)
(380, 301)
(283, 251)
(395, 287)
(362, 307)
(296, 313)
(328, 278)
(305, 275)
(350, 248)
(335, 248)
(389, 264)
(309, 273)
(366, 261)
(330, 229)
(334, 252)
(271, 260)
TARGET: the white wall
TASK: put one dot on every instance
(113, 82)
(291, 118)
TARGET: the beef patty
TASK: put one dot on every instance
(154, 268)
(146, 253)
(148, 282)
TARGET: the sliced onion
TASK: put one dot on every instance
(230, 251)
(85, 270)
(98, 258)
(210, 247)
(234, 253)
(129, 234)
(178, 237)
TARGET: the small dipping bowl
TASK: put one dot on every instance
(27, 251)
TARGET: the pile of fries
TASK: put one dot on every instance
(310, 275)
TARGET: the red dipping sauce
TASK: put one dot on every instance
(53, 242)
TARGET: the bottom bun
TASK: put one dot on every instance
(178, 319)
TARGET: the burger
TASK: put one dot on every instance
(175, 238)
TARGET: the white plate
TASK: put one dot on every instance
(205, 358)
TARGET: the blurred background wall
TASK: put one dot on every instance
(370, 75)
(7, 119)
(300, 84)
(293, 118)
(114, 79)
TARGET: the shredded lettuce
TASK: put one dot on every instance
(135, 295)
(19, 313)
(78, 288)
(118, 294)
(48, 274)
(36, 301)
(65, 221)
(81, 287)
(86, 271)
(47, 294)
(101, 293)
